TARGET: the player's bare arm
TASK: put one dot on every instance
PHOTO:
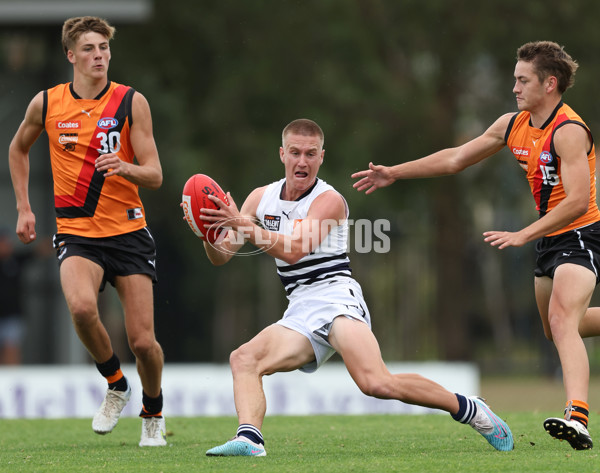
(445, 162)
(572, 144)
(224, 248)
(148, 172)
(18, 158)
(327, 210)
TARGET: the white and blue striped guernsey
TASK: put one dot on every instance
(328, 260)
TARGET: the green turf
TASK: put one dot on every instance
(323, 444)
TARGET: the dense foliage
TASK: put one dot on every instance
(388, 81)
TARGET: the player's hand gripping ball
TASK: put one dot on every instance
(195, 197)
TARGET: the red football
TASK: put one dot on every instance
(195, 197)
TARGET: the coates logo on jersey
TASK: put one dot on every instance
(546, 157)
(68, 125)
(521, 152)
(106, 123)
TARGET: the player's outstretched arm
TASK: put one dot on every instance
(441, 163)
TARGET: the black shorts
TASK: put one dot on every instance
(120, 255)
(580, 246)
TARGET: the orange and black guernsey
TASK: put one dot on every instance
(79, 130)
(534, 150)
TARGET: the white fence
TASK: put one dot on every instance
(51, 391)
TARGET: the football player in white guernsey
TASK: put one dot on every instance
(302, 222)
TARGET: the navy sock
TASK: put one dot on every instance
(466, 409)
(250, 432)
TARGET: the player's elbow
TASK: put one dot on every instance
(215, 256)
(294, 249)
(217, 260)
(454, 166)
(16, 152)
(583, 208)
(156, 181)
(150, 176)
(292, 257)
(289, 260)
(156, 185)
(579, 207)
(459, 159)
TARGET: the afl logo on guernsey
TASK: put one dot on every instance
(546, 157)
(106, 123)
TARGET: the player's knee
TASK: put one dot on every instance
(144, 346)
(242, 360)
(375, 387)
(83, 313)
(556, 327)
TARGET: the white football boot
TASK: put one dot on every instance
(108, 415)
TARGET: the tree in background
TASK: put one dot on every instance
(387, 79)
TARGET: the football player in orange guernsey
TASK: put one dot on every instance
(101, 149)
(555, 148)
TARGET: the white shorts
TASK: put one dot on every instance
(313, 308)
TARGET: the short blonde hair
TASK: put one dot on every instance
(304, 127)
(73, 28)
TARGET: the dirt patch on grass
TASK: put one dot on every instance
(532, 394)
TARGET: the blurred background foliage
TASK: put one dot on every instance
(388, 82)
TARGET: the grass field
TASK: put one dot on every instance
(324, 444)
